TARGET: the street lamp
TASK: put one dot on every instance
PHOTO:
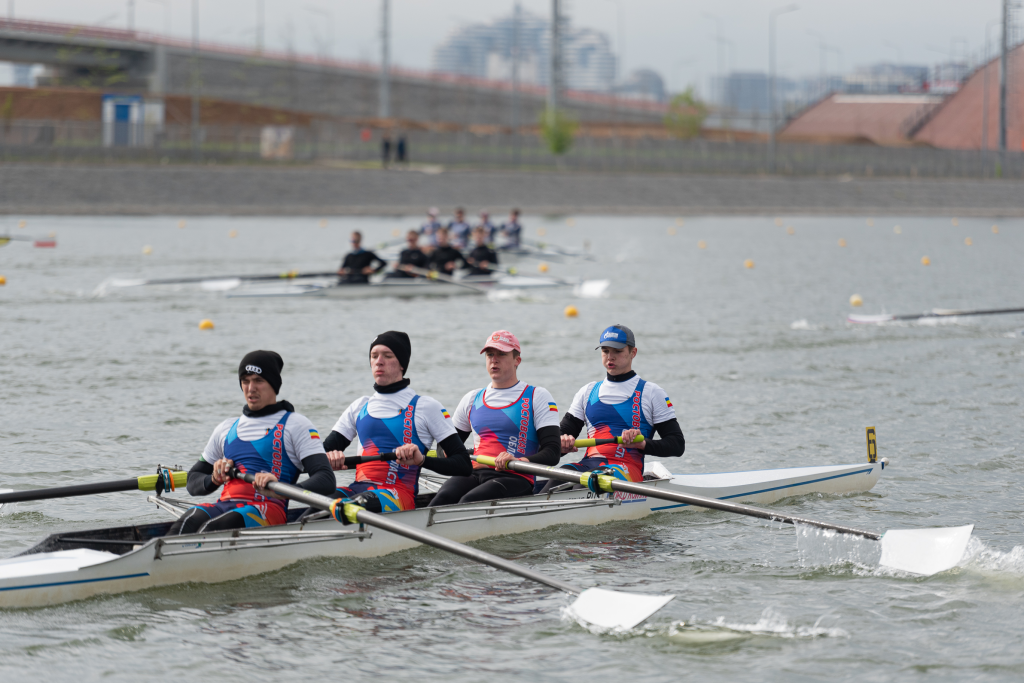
(167, 15)
(772, 16)
(384, 104)
(984, 99)
(621, 21)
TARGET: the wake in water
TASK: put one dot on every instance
(984, 560)
(827, 549)
(771, 624)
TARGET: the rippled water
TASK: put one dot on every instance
(759, 363)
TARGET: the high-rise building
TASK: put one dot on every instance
(486, 51)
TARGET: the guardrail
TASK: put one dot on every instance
(87, 142)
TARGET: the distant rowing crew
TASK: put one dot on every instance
(512, 420)
(443, 253)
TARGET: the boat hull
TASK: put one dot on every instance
(37, 578)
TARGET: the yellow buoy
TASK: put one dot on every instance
(22, 224)
(206, 324)
(955, 222)
(568, 221)
(3, 280)
(778, 222)
(513, 271)
(543, 231)
(702, 244)
(233, 234)
(679, 222)
(542, 267)
(323, 224)
(856, 300)
(925, 261)
(995, 229)
(181, 224)
(897, 229)
(147, 250)
(571, 312)
(871, 222)
(968, 241)
(394, 233)
(749, 263)
(842, 242)
(671, 231)
(790, 230)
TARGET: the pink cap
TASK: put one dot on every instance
(502, 340)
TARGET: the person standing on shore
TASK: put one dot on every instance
(385, 149)
(358, 265)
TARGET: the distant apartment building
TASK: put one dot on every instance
(886, 78)
(486, 51)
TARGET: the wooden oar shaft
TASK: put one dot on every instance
(609, 483)
(359, 515)
(70, 491)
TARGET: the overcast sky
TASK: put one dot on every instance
(675, 37)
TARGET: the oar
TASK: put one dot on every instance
(580, 443)
(934, 313)
(168, 480)
(5, 239)
(288, 275)
(441, 277)
(601, 607)
(918, 551)
(353, 460)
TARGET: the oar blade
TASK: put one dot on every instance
(869, 319)
(925, 551)
(616, 610)
(222, 285)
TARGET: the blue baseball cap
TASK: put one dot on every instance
(617, 337)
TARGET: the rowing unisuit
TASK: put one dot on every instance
(623, 405)
(511, 419)
(270, 440)
(394, 419)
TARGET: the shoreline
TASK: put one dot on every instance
(62, 189)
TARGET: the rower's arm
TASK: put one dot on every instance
(549, 450)
(200, 479)
(336, 441)
(671, 444)
(456, 462)
(321, 477)
(571, 425)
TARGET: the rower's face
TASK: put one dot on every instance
(258, 392)
(479, 238)
(356, 240)
(412, 240)
(384, 365)
(501, 366)
(442, 238)
(617, 361)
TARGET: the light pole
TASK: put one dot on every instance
(384, 106)
(167, 15)
(720, 43)
(984, 100)
(329, 16)
(1002, 76)
(555, 60)
(621, 26)
(195, 80)
(259, 27)
(772, 16)
(515, 76)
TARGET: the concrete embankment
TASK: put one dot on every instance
(308, 190)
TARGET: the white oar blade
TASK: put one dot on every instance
(220, 285)
(925, 551)
(616, 610)
(592, 289)
(869, 319)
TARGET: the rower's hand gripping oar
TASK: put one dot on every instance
(918, 551)
(580, 443)
(600, 607)
(164, 480)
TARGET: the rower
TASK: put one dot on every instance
(412, 256)
(459, 229)
(358, 264)
(430, 227)
(489, 228)
(512, 420)
(482, 257)
(621, 405)
(271, 440)
(445, 258)
(394, 419)
(512, 230)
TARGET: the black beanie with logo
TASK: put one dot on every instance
(266, 364)
(399, 344)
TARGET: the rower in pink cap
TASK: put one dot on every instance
(511, 419)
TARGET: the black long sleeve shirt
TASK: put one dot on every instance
(478, 256)
(442, 256)
(355, 262)
(321, 477)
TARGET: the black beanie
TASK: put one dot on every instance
(399, 344)
(266, 364)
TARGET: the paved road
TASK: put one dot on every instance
(195, 190)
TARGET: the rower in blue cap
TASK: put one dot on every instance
(623, 405)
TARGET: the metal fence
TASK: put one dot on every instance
(90, 141)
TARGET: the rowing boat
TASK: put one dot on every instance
(76, 565)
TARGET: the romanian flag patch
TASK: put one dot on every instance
(552, 408)
(313, 434)
(668, 402)
(444, 412)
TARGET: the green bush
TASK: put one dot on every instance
(686, 115)
(557, 128)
